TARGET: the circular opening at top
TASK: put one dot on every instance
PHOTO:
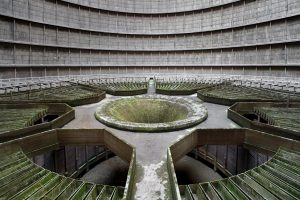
(151, 113)
(147, 111)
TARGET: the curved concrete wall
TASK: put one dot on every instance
(84, 18)
(39, 34)
(151, 7)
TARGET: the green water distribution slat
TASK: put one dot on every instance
(82, 192)
(196, 191)
(21, 179)
(13, 178)
(122, 86)
(11, 119)
(257, 187)
(228, 91)
(280, 182)
(46, 188)
(283, 117)
(70, 190)
(209, 191)
(221, 190)
(246, 188)
(70, 92)
(289, 167)
(270, 186)
(95, 192)
(180, 86)
(107, 193)
(24, 183)
(34, 187)
(60, 187)
(236, 192)
(278, 178)
(185, 193)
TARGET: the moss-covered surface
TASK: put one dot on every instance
(276, 179)
(146, 111)
(179, 88)
(288, 118)
(12, 119)
(151, 113)
(22, 179)
(123, 88)
(229, 94)
(72, 94)
(249, 115)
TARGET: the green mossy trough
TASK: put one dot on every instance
(122, 88)
(179, 88)
(151, 113)
(227, 94)
(73, 95)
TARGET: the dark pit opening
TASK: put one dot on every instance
(112, 171)
(88, 163)
(251, 116)
(50, 118)
(262, 120)
(254, 117)
(198, 166)
(47, 118)
(190, 171)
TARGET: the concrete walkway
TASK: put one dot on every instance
(151, 87)
(151, 148)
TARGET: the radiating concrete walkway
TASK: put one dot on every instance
(151, 148)
(151, 87)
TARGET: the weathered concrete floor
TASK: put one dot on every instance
(151, 148)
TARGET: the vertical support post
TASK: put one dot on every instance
(65, 160)
(87, 159)
(76, 158)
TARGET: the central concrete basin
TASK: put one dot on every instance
(151, 113)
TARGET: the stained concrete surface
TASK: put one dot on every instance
(151, 87)
(151, 148)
